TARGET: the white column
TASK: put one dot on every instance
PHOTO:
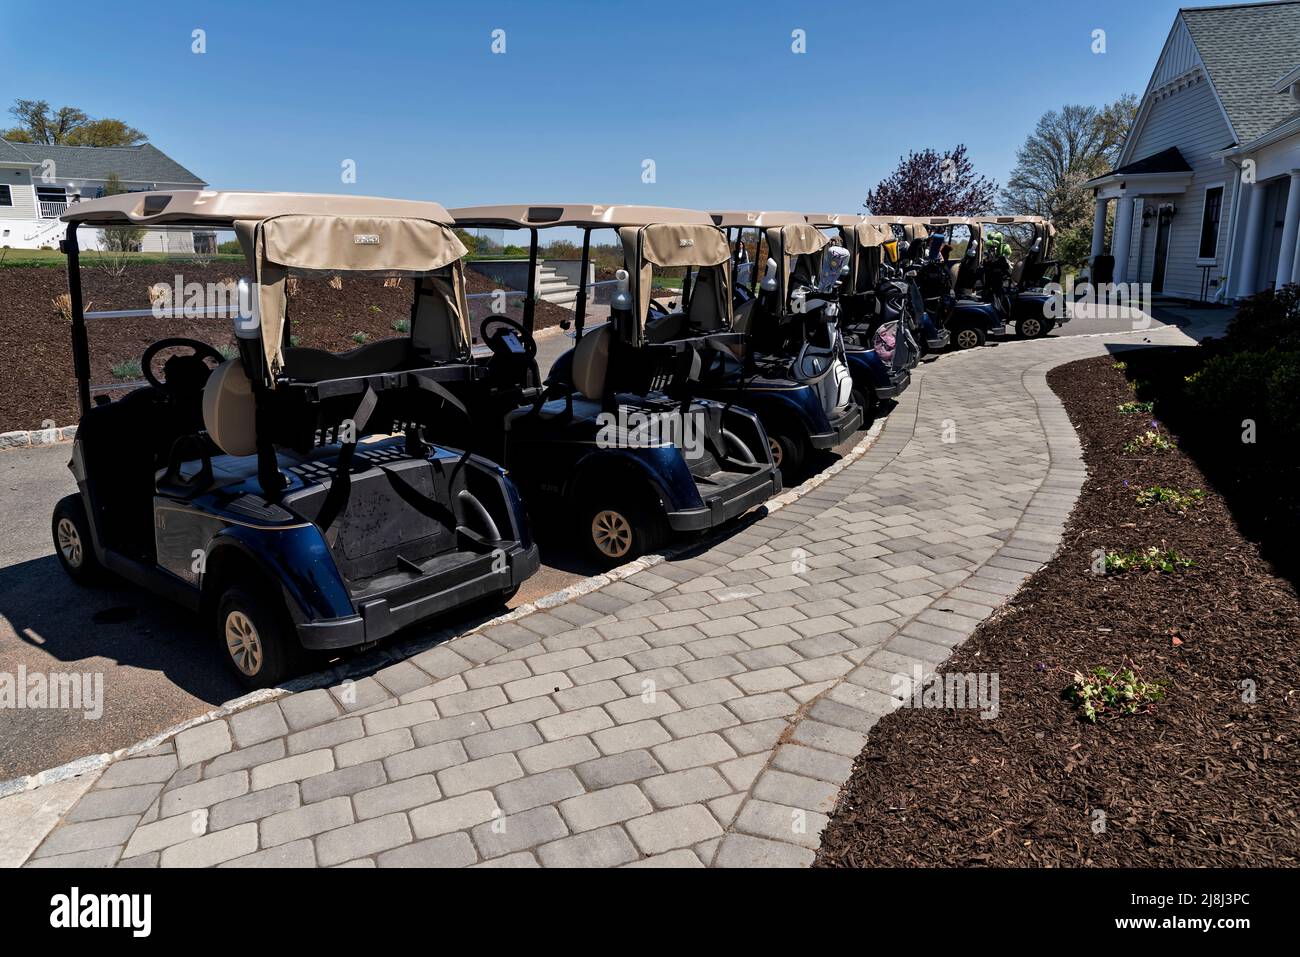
(1245, 284)
(1290, 253)
(1123, 238)
(1099, 228)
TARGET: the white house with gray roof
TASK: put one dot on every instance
(38, 181)
(1207, 191)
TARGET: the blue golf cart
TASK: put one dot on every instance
(289, 495)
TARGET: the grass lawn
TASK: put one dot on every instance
(52, 257)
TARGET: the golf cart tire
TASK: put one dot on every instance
(869, 405)
(647, 528)
(1025, 327)
(973, 334)
(76, 552)
(281, 654)
(788, 453)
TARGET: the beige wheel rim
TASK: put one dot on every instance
(243, 643)
(777, 453)
(967, 339)
(612, 533)
(70, 543)
(1030, 328)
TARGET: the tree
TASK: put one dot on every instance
(1067, 148)
(930, 183)
(120, 239)
(67, 125)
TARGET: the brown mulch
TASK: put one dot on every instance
(1202, 779)
(36, 348)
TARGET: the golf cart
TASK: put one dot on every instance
(948, 270)
(1018, 271)
(289, 495)
(616, 438)
(795, 374)
(878, 303)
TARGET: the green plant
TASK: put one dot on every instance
(230, 248)
(228, 351)
(401, 325)
(360, 338)
(294, 340)
(127, 370)
(1136, 408)
(1152, 440)
(1105, 693)
(1172, 499)
(1120, 367)
(375, 309)
(1152, 559)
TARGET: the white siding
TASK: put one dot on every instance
(1191, 120)
(19, 182)
(1179, 56)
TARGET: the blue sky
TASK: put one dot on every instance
(584, 92)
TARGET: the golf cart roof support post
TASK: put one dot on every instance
(580, 307)
(530, 304)
(80, 341)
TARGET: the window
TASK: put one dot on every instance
(1210, 223)
(51, 194)
(6, 196)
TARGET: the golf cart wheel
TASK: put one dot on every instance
(1032, 327)
(787, 456)
(71, 531)
(616, 532)
(866, 401)
(967, 337)
(255, 638)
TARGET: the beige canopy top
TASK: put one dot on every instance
(862, 236)
(747, 219)
(1019, 220)
(581, 215)
(284, 233)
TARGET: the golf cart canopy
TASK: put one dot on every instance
(789, 237)
(283, 234)
(650, 236)
(863, 237)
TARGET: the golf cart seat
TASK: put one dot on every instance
(315, 365)
(700, 317)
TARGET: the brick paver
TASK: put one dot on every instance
(703, 711)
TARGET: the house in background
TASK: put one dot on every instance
(37, 182)
(1207, 191)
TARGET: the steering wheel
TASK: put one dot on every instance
(198, 350)
(493, 333)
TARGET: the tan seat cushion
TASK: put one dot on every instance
(228, 407)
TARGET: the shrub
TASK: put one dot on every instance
(1105, 693)
(401, 325)
(1136, 408)
(230, 248)
(127, 370)
(360, 338)
(1268, 320)
(1232, 385)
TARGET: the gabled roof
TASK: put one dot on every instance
(1166, 161)
(1245, 48)
(133, 164)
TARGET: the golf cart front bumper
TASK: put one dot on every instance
(727, 503)
(381, 615)
(899, 380)
(848, 422)
(939, 342)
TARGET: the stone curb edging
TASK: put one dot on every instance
(36, 438)
(401, 652)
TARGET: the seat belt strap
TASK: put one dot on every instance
(340, 490)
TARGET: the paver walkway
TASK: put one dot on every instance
(701, 712)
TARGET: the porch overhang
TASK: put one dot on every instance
(1115, 186)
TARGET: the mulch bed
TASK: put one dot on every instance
(1202, 779)
(37, 348)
